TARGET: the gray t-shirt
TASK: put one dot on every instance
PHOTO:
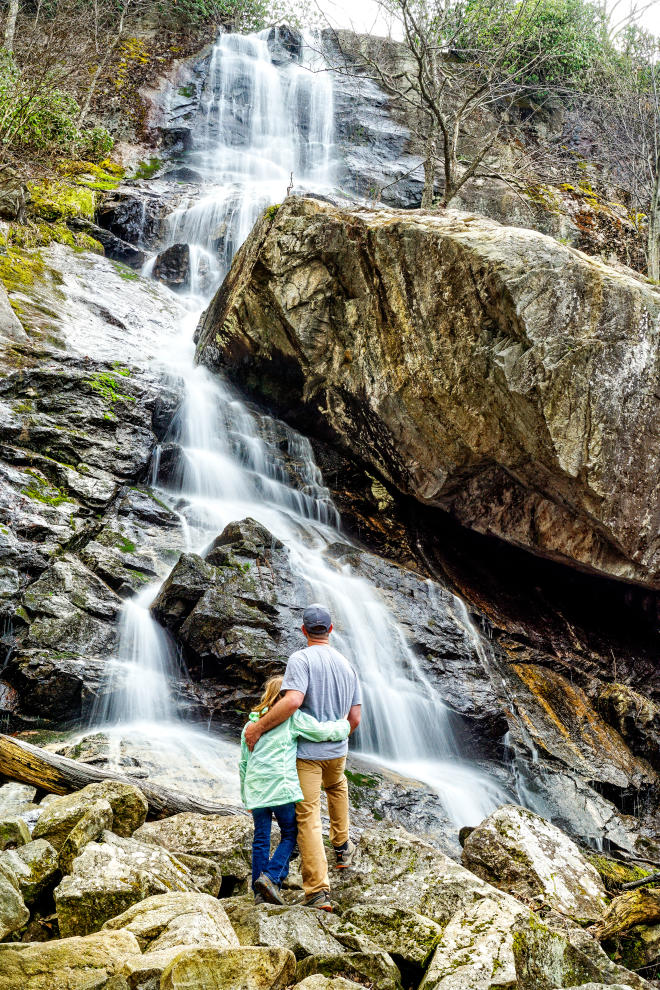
(331, 688)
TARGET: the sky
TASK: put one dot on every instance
(364, 16)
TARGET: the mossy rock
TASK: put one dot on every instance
(615, 873)
(13, 832)
(59, 200)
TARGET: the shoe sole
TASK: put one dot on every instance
(320, 907)
(342, 866)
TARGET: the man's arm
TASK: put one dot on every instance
(354, 716)
(280, 712)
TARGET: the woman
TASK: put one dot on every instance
(270, 788)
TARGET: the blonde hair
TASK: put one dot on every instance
(272, 690)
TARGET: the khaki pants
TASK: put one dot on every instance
(312, 774)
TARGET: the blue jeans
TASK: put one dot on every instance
(276, 868)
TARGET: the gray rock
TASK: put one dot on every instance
(16, 798)
(65, 964)
(242, 969)
(295, 928)
(128, 804)
(374, 968)
(172, 266)
(545, 959)
(169, 920)
(96, 819)
(35, 867)
(528, 857)
(224, 839)
(13, 832)
(406, 934)
(514, 396)
(110, 876)
(13, 912)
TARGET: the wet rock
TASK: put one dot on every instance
(374, 968)
(559, 719)
(247, 968)
(13, 832)
(224, 839)
(65, 964)
(404, 934)
(113, 246)
(546, 959)
(520, 471)
(521, 853)
(172, 266)
(35, 867)
(13, 912)
(475, 950)
(16, 798)
(175, 139)
(169, 920)
(284, 44)
(95, 820)
(14, 195)
(11, 327)
(635, 717)
(184, 174)
(109, 877)
(131, 217)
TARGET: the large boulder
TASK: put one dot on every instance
(475, 951)
(226, 840)
(241, 969)
(65, 964)
(169, 920)
(528, 857)
(35, 866)
(487, 370)
(405, 934)
(129, 810)
(547, 959)
(374, 969)
(304, 932)
(13, 912)
(110, 876)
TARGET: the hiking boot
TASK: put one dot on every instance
(320, 901)
(344, 855)
(269, 891)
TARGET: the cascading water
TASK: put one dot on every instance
(262, 123)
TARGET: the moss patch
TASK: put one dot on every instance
(146, 170)
(18, 269)
(614, 874)
(55, 199)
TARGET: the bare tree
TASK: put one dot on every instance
(10, 25)
(629, 145)
(460, 67)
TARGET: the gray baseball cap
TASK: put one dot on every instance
(316, 615)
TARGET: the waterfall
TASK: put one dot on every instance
(260, 124)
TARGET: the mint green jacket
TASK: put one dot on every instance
(268, 774)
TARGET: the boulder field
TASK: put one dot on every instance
(164, 904)
(487, 370)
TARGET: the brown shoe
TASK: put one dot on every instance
(320, 901)
(264, 885)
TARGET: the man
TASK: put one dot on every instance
(322, 682)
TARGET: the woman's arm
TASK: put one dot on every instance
(308, 727)
(242, 766)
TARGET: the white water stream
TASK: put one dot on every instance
(260, 124)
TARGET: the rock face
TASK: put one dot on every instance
(482, 369)
(523, 854)
(172, 266)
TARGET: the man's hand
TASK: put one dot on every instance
(253, 734)
(354, 717)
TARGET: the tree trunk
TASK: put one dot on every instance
(653, 242)
(59, 775)
(10, 25)
(429, 183)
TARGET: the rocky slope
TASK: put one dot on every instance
(91, 895)
(489, 371)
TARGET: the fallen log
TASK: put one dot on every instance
(28, 764)
(635, 907)
(634, 884)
